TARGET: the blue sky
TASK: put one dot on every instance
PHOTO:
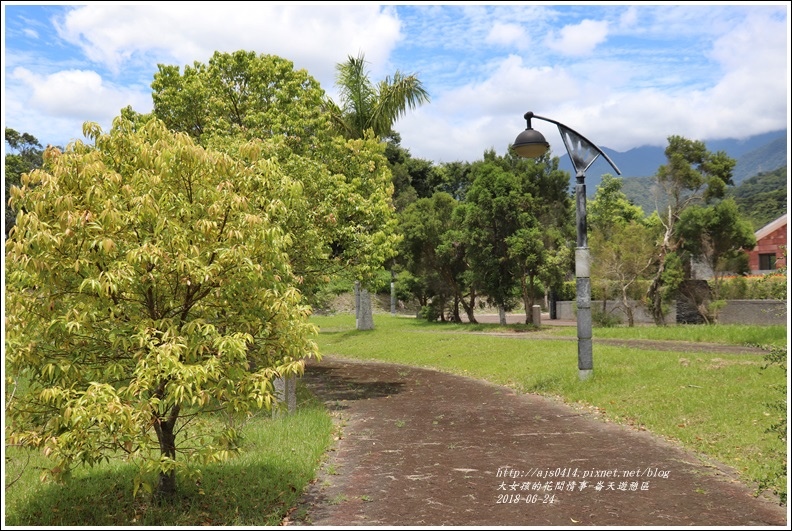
(624, 75)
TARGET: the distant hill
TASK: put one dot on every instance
(763, 197)
(759, 153)
(765, 158)
(639, 191)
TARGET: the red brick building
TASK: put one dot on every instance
(771, 245)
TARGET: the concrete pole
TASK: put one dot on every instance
(366, 320)
(393, 293)
(285, 395)
(357, 305)
(536, 315)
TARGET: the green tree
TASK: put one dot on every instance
(610, 208)
(27, 156)
(622, 243)
(148, 288)
(456, 179)
(691, 175)
(491, 213)
(545, 227)
(620, 260)
(369, 110)
(431, 252)
(413, 178)
(517, 223)
(365, 105)
(243, 95)
(720, 237)
(348, 222)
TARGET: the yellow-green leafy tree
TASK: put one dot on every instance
(348, 222)
(148, 287)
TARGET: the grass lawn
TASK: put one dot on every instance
(258, 488)
(714, 404)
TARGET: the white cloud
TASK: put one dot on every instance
(505, 34)
(629, 18)
(578, 39)
(315, 37)
(461, 123)
(77, 94)
(511, 85)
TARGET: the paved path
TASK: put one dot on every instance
(424, 448)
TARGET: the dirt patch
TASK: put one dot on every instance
(424, 448)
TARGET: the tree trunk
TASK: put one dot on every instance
(502, 314)
(457, 318)
(628, 309)
(655, 298)
(469, 307)
(529, 299)
(654, 293)
(166, 487)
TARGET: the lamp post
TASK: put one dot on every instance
(532, 144)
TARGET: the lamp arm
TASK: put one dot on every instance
(530, 115)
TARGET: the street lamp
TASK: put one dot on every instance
(532, 144)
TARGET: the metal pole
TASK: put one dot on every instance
(583, 283)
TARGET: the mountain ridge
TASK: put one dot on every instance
(756, 154)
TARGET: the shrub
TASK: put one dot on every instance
(755, 287)
(604, 319)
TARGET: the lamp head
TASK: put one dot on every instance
(530, 143)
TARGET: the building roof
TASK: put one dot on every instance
(771, 227)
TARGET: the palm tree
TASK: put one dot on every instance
(367, 108)
(365, 105)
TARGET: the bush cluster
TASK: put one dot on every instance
(754, 287)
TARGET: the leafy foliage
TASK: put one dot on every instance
(345, 217)
(692, 175)
(610, 208)
(516, 222)
(366, 105)
(148, 285)
(242, 95)
(428, 252)
(717, 235)
(622, 247)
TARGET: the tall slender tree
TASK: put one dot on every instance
(368, 109)
(692, 175)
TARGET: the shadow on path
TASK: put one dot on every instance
(333, 388)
